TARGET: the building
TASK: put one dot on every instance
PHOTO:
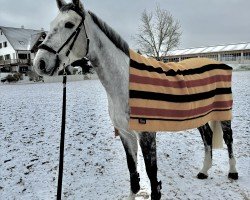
(17, 47)
(233, 54)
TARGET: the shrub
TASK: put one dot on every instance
(13, 78)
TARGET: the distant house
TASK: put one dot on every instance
(18, 47)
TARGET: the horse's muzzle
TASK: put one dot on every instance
(43, 67)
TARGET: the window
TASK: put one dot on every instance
(188, 57)
(22, 56)
(1, 46)
(247, 56)
(21, 42)
(5, 44)
(230, 57)
(1, 32)
(1, 57)
(171, 59)
(7, 57)
(23, 69)
(210, 56)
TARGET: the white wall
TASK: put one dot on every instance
(6, 50)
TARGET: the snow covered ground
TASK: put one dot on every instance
(95, 164)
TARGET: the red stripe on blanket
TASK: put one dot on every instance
(180, 113)
(179, 83)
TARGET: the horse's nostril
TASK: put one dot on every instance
(42, 65)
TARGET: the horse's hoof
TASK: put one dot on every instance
(136, 188)
(156, 195)
(202, 176)
(135, 182)
(233, 176)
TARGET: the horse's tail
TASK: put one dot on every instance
(217, 134)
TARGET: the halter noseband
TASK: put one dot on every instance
(74, 35)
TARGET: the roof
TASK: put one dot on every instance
(210, 49)
(20, 38)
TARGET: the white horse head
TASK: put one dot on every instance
(66, 41)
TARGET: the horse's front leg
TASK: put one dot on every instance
(129, 141)
(148, 147)
(207, 136)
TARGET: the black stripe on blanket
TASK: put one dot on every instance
(178, 98)
(179, 120)
(171, 72)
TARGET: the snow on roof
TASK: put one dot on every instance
(20, 38)
(210, 49)
(248, 46)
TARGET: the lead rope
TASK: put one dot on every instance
(61, 157)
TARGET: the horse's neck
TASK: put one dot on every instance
(110, 63)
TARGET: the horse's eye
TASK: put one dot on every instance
(69, 25)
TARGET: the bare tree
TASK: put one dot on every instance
(159, 32)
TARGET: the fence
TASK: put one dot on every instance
(16, 62)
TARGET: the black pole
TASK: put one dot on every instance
(60, 175)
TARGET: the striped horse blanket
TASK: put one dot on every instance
(178, 96)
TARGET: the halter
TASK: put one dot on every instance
(74, 35)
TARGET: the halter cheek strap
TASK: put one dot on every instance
(75, 33)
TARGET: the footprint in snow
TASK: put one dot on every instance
(142, 195)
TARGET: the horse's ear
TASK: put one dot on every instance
(60, 3)
(79, 4)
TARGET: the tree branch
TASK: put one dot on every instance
(159, 32)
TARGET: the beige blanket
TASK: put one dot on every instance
(178, 96)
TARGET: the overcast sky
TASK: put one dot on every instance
(204, 22)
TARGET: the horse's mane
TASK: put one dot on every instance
(118, 41)
(106, 29)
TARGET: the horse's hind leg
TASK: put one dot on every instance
(148, 146)
(207, 136)
(228, 138)
(129, 141)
